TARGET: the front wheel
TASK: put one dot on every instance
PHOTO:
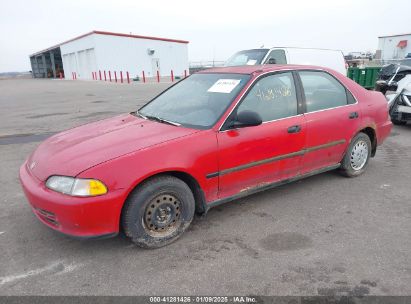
(158, 211)
(356, 158)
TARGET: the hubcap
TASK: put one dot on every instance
(162, 215)
(359, 155)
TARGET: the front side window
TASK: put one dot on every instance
(322, 91)
(272, 97)
(197, 101)
(276, 57)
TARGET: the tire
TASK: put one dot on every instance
(398, 122)
(158, 211)
(356, 158)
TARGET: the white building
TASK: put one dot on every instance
(395, 46)
(112, 54)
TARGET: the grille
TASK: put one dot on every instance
(48, 216)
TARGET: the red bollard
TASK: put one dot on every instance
(115, 76)
(61, 75)
(158, 76)
(144, 77)
(172, 76)
(99, 72)
(121, 76)
(109, 75)
(185, 73)
(105, 78)
(128, 77)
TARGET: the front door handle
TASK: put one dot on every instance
(353, 115)
(294, 129)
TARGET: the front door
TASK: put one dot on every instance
(254, 156)
(332, 117)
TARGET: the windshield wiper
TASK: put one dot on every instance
(158, 119)
(162, 120)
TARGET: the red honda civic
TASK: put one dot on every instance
(213, 137)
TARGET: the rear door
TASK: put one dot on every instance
(332, 116)
(255, 156)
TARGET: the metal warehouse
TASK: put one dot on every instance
(395, 46)
(99, 55)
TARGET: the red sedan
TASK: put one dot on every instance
(211, 138)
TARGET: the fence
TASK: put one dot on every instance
(405, 61)
(121, 77)
(196, 66)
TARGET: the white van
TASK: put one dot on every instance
(333, 59)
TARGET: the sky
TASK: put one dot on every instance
(215, 29)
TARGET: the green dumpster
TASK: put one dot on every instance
(365, 77)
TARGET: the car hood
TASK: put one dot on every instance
(71, 152)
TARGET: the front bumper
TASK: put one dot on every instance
(81, 217)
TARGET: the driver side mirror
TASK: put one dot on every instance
(246, 119)
(271, 61)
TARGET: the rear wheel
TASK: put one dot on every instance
(357, 156)
(158, 211)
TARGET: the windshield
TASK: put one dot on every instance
(197, 101)
(248, 57)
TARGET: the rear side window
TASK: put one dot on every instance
(276, 57)
(322, 91)
(272, 97)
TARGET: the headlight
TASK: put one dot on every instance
(76, 186)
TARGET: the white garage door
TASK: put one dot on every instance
(70, 65)
(87, 63)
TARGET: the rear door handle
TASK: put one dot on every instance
(353, 115)
(294, 129)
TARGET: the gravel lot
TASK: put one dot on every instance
(325, 235)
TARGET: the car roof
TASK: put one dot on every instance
(250, 69)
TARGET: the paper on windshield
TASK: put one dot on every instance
(224, 86)
(251, 62)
